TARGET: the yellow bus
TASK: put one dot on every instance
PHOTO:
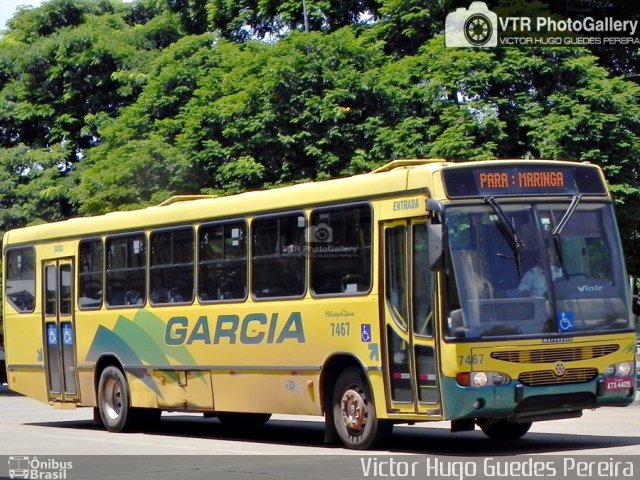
(485, 293)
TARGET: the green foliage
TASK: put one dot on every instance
(33, 187)
(192, 14)
(407, 24)
(242, 20)
(140, 173)
(66, 69)
(240, 174)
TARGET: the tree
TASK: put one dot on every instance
(113, 105)
(252, 19)
(66, 68)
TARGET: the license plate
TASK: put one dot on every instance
(618, 383)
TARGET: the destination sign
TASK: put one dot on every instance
(481, 181)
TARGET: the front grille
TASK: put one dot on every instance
(548, 377)
(570, 354)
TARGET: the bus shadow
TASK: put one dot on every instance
(405, 439)
(477, 444)
(5, 392)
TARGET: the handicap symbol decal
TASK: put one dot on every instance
(365, 332)
(52, 334)
(67, 335)
(565, 322)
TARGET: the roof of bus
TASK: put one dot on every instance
(394, 177)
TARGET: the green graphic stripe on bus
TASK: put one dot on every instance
(146, 332)
(155, 329)
(107, 341)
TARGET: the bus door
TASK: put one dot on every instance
(59, 330)
(409, 302)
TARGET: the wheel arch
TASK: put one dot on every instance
(333, 366)
(106, 360)
(331, 370)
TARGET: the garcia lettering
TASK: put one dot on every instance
(254, 328)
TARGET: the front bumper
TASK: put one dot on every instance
(517, 401)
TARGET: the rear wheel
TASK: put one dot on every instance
(113, 404)
(113, 400)
(502, 429)
(354, 413)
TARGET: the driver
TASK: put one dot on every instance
(534, 281)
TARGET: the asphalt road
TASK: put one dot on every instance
(189, 446)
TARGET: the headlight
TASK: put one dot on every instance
(500, 379)
(622, 369)
(481, 379)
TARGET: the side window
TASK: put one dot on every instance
(340, 250)
(278, 262)
(51, 290)
(126, 262)
(172, 267)
(66, 290)
(396, 274)
(90, 274)
(20, 286)
(422, 282)
(223, 262)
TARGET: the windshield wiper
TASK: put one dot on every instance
(508, 230)
(557, 230)
(567, 215)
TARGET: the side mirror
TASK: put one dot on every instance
(436, 259)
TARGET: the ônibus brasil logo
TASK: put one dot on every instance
(35, 468)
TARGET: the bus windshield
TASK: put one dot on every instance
(551, 281)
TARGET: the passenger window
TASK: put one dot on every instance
(51, 291)
(20, 286)
(278, 262)
(396, 274)
(340, 250)
(423, 282)
(172, 267)
(66, 287)
(90, 274)
(126, 262)
(223, 262)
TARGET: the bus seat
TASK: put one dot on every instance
(160, 295)
(133, 297)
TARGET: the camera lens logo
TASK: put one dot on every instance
(322, 232)
(478, 29)
(471, 27)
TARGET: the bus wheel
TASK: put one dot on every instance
(502, 429)
(113, 400)
(243, 420)
(354, 413)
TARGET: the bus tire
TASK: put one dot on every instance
(113, 400)
(354, 414)
(502, 429)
